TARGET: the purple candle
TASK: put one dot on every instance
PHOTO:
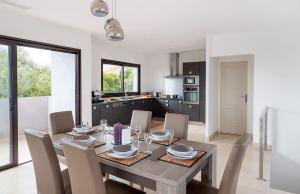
(118, 133)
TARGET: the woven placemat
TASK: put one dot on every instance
(127, 162)
(162, 142)
(97, 143)
(186, 163)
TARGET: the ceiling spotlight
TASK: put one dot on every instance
(99, 8)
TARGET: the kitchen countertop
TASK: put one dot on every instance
(137, 98)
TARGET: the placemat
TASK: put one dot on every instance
(186, 163)
(162, 142)
(127, 162)
(97, 143)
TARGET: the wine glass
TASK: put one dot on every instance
(103, 123)
(171, 134)
(105, 132)
(148, 141)
(138, 131)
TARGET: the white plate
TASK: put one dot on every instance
(181, 153)
(89, 140)
(160, 136)
(83, 130)
(194, 155)
(122, 157)
(127, 153)
(113, 142)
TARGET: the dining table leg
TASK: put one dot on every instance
(163, 188)
(209, 172)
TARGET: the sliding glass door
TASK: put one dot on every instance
(5, 122)
(35, 80)
(46, 83)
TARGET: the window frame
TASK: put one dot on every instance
(122, 65)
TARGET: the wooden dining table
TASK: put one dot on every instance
(152, 173)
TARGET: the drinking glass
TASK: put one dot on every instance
(148, 141)
(103, 123)
(171, 133)
(105, 132)
(138, 131)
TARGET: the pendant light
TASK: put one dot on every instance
(114, 31)
(99, 8)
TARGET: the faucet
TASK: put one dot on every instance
(126, 94)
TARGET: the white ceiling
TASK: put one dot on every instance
(161, 26)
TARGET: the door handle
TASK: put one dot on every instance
(245, 97)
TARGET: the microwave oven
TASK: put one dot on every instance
(191, 80)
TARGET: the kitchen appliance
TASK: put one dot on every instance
(97, 96)
(191, 95)
(191, 80)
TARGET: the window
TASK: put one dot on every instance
(119, 78)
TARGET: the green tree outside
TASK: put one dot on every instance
(33, 79)
(112, 82)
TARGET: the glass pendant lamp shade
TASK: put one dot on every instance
(111, 22)
(115, 33)
(99, 8)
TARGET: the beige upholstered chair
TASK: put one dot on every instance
(48, 175)
(231, 174)
(177, 122)
(142, 118)
(61, 122)
(85, 172)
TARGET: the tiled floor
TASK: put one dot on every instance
(21, 180)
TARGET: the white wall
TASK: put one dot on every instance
(276, 68)
(26, 27)
(62, 82)
(153, 67)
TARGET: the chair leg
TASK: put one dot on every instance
(130, 183)
(106, 176)
(142, 188)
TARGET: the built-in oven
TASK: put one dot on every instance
(191, 94)
(191, 80)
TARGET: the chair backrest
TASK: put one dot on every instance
(232, 170)
(142, 118)
(84, 169)
(61, 122)
(46, 166)
(177, 122)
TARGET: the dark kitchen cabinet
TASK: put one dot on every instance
(102, 111)
(191, 68)
(159, 107)
(122, 112)
(193, 110)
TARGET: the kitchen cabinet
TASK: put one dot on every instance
(122, 112)
(193, 110)
(102, 111)
(159, 109)
(191, 68)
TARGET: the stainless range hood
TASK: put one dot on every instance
(174, 66)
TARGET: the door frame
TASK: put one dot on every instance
(13, 43)
(250, 87)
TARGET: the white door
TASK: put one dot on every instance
(233, 110)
